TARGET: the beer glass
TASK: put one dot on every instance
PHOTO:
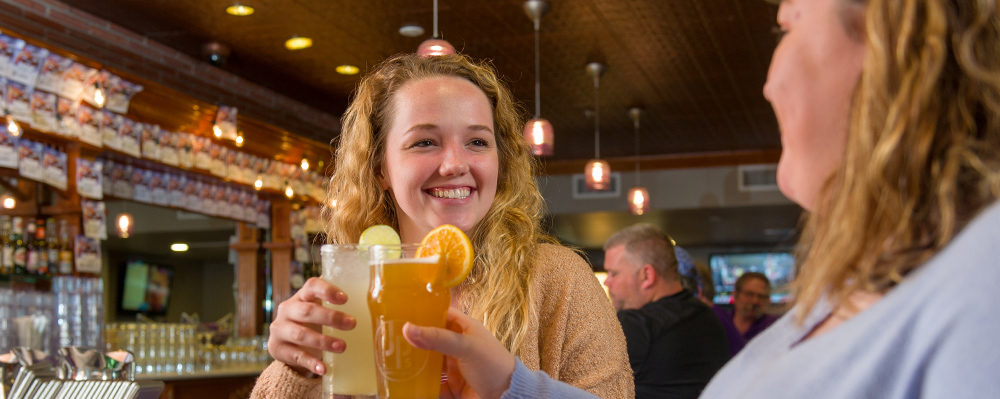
(406, 289)
(350, 374)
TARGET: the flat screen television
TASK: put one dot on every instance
(146, 288)
(779, 267)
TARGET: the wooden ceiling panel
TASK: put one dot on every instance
(697, 66)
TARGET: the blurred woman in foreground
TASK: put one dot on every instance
(889, 113)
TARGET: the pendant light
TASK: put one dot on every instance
(638, 196)
(538, 131)
(598, 172)
(124, 224)
(435, 45)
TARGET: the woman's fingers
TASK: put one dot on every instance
(316, 289)
(307, 312)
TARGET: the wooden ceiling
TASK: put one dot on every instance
(696, 66)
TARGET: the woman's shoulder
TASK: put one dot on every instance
(553, 263)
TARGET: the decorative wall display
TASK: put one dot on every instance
(74, 79)
(8, 149)
(225, 120)
(30, 163)
(88, 178)
(140, 186)
(119, 93)
(19, 101)
(8, 47)
(95, 220)
(68, 123)
(27, 63)
(159, 187)
(43, 111)
(50, 78)
(87, 253)
(150, 136)
(130, 131)
(90, 121)
(55, 168)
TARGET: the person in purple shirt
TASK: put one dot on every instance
(751, 297)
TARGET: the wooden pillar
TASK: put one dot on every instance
(281, 250)
(248, 305)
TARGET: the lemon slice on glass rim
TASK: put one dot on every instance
(455, 250)
(378, 234)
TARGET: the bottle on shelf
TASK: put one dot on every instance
(31, 249)
(6, 248)
(52, 245)
(20, 246)
(41, 249)
(65, 250)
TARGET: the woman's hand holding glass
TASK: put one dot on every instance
(293, 340)
(477, 364)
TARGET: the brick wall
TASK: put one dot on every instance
(60, 25)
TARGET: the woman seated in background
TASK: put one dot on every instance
(889, 113)
(437, 140)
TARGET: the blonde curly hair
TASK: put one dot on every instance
(497, 291)
(923, 150)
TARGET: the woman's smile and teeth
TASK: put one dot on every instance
(450, 193)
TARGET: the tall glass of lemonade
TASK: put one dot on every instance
(352, 373)
(405, 288)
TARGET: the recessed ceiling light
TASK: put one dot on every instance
(347, 69)
(179, 247)
(411, 30)
(298, 43)
(239, 10)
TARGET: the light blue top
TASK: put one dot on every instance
(932, 336)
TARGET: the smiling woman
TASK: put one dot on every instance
(437, 140)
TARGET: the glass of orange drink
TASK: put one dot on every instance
(411, 283)
(404, 289)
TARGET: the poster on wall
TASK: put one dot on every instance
(67, 122)
(176, 184)
(140, 185)
(168, 148)
(111, 125)
(43, 111)
(87, 252)
(55, 168)
(50, 78)
(225, 120)
(9, 148)
(121, 181)
(192, 195)
(130, 131)
(88, 178)
(90, 121)
(95, 220)
(30, 163)
(74, 79)
(159, 187)
(19, 101)
(150, 141)
(120, 92)
(27, 63)
(9, 46)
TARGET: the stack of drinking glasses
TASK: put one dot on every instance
(179, 349)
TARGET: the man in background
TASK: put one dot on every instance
(751, 297)
(675, 342)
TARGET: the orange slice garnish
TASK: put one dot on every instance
(455, 249)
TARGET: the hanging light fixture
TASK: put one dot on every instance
(304, 164)
(239, 139)
(259, 183)
(98, 95)
(538, 131)
(638, 196)
(435, 45)
(12, 126)
(598, 171)
(288, 190)
(125, 223)
(7, 201)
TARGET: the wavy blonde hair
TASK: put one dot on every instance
(497, 290)
(923, 151)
